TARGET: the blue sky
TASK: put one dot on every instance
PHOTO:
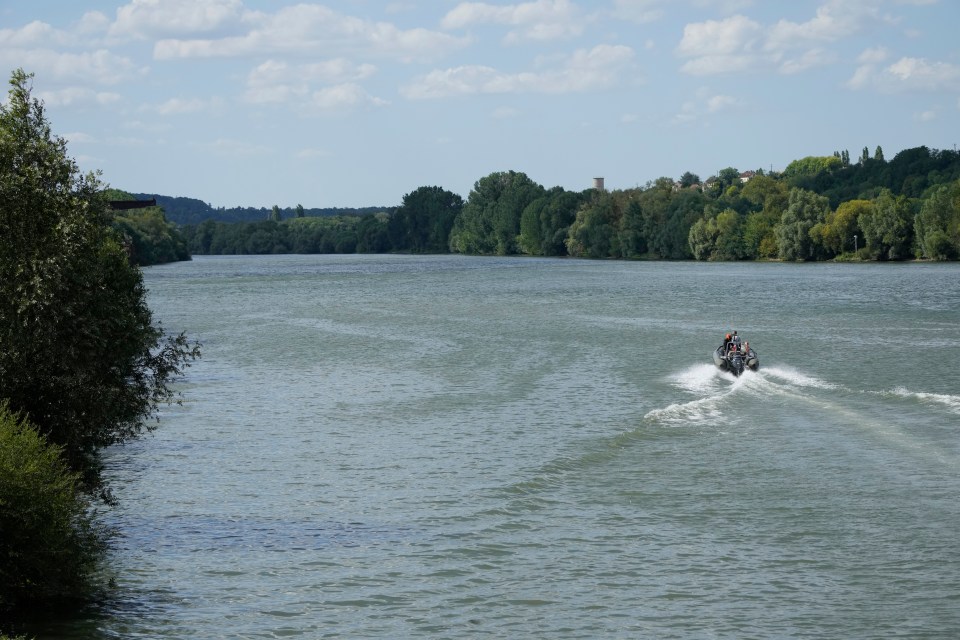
(356, 103)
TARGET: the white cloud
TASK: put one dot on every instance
(326, 84)
(638, 11)
(807, 60)
(539, 20)
(78, 137)
(177, 106)
(739, 43)
(156, 18)
(907, 74)
(585, 70)
(875, 55)
(93, 67)
(310, 29)
(77, 96)
(704, 103)
(926, 116)
(720, 102)
(343, 96)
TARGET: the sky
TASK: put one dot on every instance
(355, 103)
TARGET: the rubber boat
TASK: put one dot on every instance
(733, 357)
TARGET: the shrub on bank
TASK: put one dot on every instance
(48, 545)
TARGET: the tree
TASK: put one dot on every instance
(937, 226)
(688, 180)
(275, 214)
(300, 212)
(804, 210)
(878, 154)
(490, 220)
(48, 543)
(80, 356)
(593, 232)
(835, 233)
(887, 227)
(423, 222)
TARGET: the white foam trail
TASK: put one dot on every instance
(949, 401)
(699, 379)
(796, 378)
(701, 410)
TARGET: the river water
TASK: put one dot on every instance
(449, 447)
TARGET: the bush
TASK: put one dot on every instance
(48, 545)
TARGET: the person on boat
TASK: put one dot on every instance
(726, 343)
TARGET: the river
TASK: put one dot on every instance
(449, 447)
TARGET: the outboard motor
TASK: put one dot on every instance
(736, 363)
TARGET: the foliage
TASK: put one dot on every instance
(48, 544)
(148, 236)
(937, 225)
(812, 165)
(79, 354)
(335, 234)
(593, 233)
(422, 224)
(545, 222)
(804, 210)
(490, 220)
(887, 227)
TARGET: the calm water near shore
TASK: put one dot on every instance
(450, 447)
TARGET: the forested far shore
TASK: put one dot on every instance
(818, 208)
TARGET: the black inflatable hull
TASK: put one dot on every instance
(736, 364)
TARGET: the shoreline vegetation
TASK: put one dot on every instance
(83, 365)
(818, 209)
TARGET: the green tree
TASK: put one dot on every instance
(835, 233)
(49, 545)
(688, 180)
(545, 222)
(490, 220)
(804, 210)
(812, 165)
(423, 222)
(593, 233)
(887, 227)
(80, 356)
(275, 214)
(300, 212)
(937, 226)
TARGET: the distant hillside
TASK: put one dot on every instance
(182, 211)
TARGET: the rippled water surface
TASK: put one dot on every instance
(449, 447)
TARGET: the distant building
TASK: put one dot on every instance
(598, 184)
(747, 175)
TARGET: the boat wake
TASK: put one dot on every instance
(716, 391)
(950, 402)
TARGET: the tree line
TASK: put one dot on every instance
(818, 208)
